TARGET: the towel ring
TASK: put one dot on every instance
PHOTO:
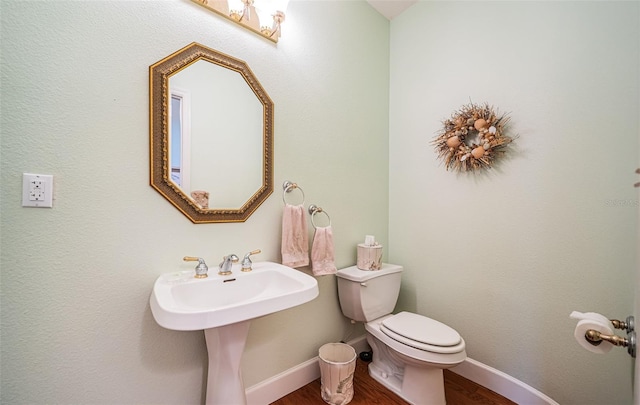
(313, 210)
(288, 187)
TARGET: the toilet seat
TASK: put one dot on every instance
(421, 333)
(435, 356)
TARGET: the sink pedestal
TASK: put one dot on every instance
(225, 345)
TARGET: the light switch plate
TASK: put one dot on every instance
(37, 190)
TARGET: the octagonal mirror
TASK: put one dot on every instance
(211, 135)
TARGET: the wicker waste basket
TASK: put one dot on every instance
(337, 366)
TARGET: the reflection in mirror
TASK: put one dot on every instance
(180, 134)
(211, 135)
(215, 134)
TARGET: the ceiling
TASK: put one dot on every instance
(391, 8)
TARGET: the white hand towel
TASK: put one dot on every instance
(295, 238)
(322, 252)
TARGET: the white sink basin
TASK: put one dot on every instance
(181, 302)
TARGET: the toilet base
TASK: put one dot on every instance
(415, 381)
(418, 386)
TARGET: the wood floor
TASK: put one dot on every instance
(367, 391)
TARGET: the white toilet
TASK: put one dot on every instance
(409, 350)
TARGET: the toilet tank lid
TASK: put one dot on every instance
(353, 273)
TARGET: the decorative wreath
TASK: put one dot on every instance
(472, 138)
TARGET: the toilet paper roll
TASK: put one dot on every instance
(583, 326)
(594, 316)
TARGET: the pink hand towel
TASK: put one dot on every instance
(322, 252)
(295, 238)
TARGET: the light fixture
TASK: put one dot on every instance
(264, 17)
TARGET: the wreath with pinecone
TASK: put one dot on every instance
(473, 138)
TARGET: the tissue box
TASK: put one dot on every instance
(369, 257)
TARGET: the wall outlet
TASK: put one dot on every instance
(37, 190)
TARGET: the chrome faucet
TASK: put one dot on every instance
(201, 268)
(225, 265)
(246, 262)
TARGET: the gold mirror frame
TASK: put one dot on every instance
(159, 99)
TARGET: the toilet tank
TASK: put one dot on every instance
(367, 295)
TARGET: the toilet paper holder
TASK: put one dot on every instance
(628, 324)
(595, 337)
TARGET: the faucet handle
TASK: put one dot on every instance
(246, 262)
(201, 267)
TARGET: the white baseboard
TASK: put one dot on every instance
(282, 384)
(501, 383)
(278, 386)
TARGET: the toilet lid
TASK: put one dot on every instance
(414, 330)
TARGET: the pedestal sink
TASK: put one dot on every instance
(223, 307)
